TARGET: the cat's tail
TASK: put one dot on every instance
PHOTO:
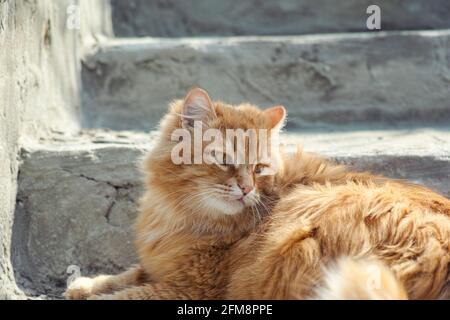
(355, 279)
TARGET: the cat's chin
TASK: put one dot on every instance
(226, 207)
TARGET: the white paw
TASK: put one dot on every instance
(80, 289)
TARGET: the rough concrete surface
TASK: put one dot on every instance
(176, 18)
(77, 196)
(75, 206)
(39, 90)
(331, 79)
(35, 52)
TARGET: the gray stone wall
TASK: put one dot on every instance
(334, 79)
(181, 18)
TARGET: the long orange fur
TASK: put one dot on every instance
(319, 232)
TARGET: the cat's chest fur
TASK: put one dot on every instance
(184, 259)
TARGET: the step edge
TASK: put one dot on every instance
(295, 39)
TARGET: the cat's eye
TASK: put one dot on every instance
(222, 159)
(217, 156)
(259, 168)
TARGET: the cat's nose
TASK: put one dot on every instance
(246, 189)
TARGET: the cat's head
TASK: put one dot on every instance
(214, 157)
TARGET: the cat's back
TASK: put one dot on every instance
(404, 225)
(364, 212)
(366, 200)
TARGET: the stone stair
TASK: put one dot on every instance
(377, 101)
(193, 18)
(321, 79)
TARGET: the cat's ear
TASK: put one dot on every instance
(276, 116)
(197, 107)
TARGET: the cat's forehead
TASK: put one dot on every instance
(244, 116)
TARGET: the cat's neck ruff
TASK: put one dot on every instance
(165, 219)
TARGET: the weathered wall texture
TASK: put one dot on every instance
(326, 79)
(81, 215)
(175, 18)
(39, 92)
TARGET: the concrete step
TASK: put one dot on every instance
(174, 18)
(77, 195)
(387, 78)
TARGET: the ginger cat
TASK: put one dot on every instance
(310, 229)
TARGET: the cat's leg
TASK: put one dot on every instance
(151, 291)
(84, 287)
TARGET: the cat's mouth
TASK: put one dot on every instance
(229, 205)
(229, 201)
(240, 200)
(245, 201)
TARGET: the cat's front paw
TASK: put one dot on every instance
(79, 289)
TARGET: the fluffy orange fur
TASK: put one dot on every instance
(313, 230)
